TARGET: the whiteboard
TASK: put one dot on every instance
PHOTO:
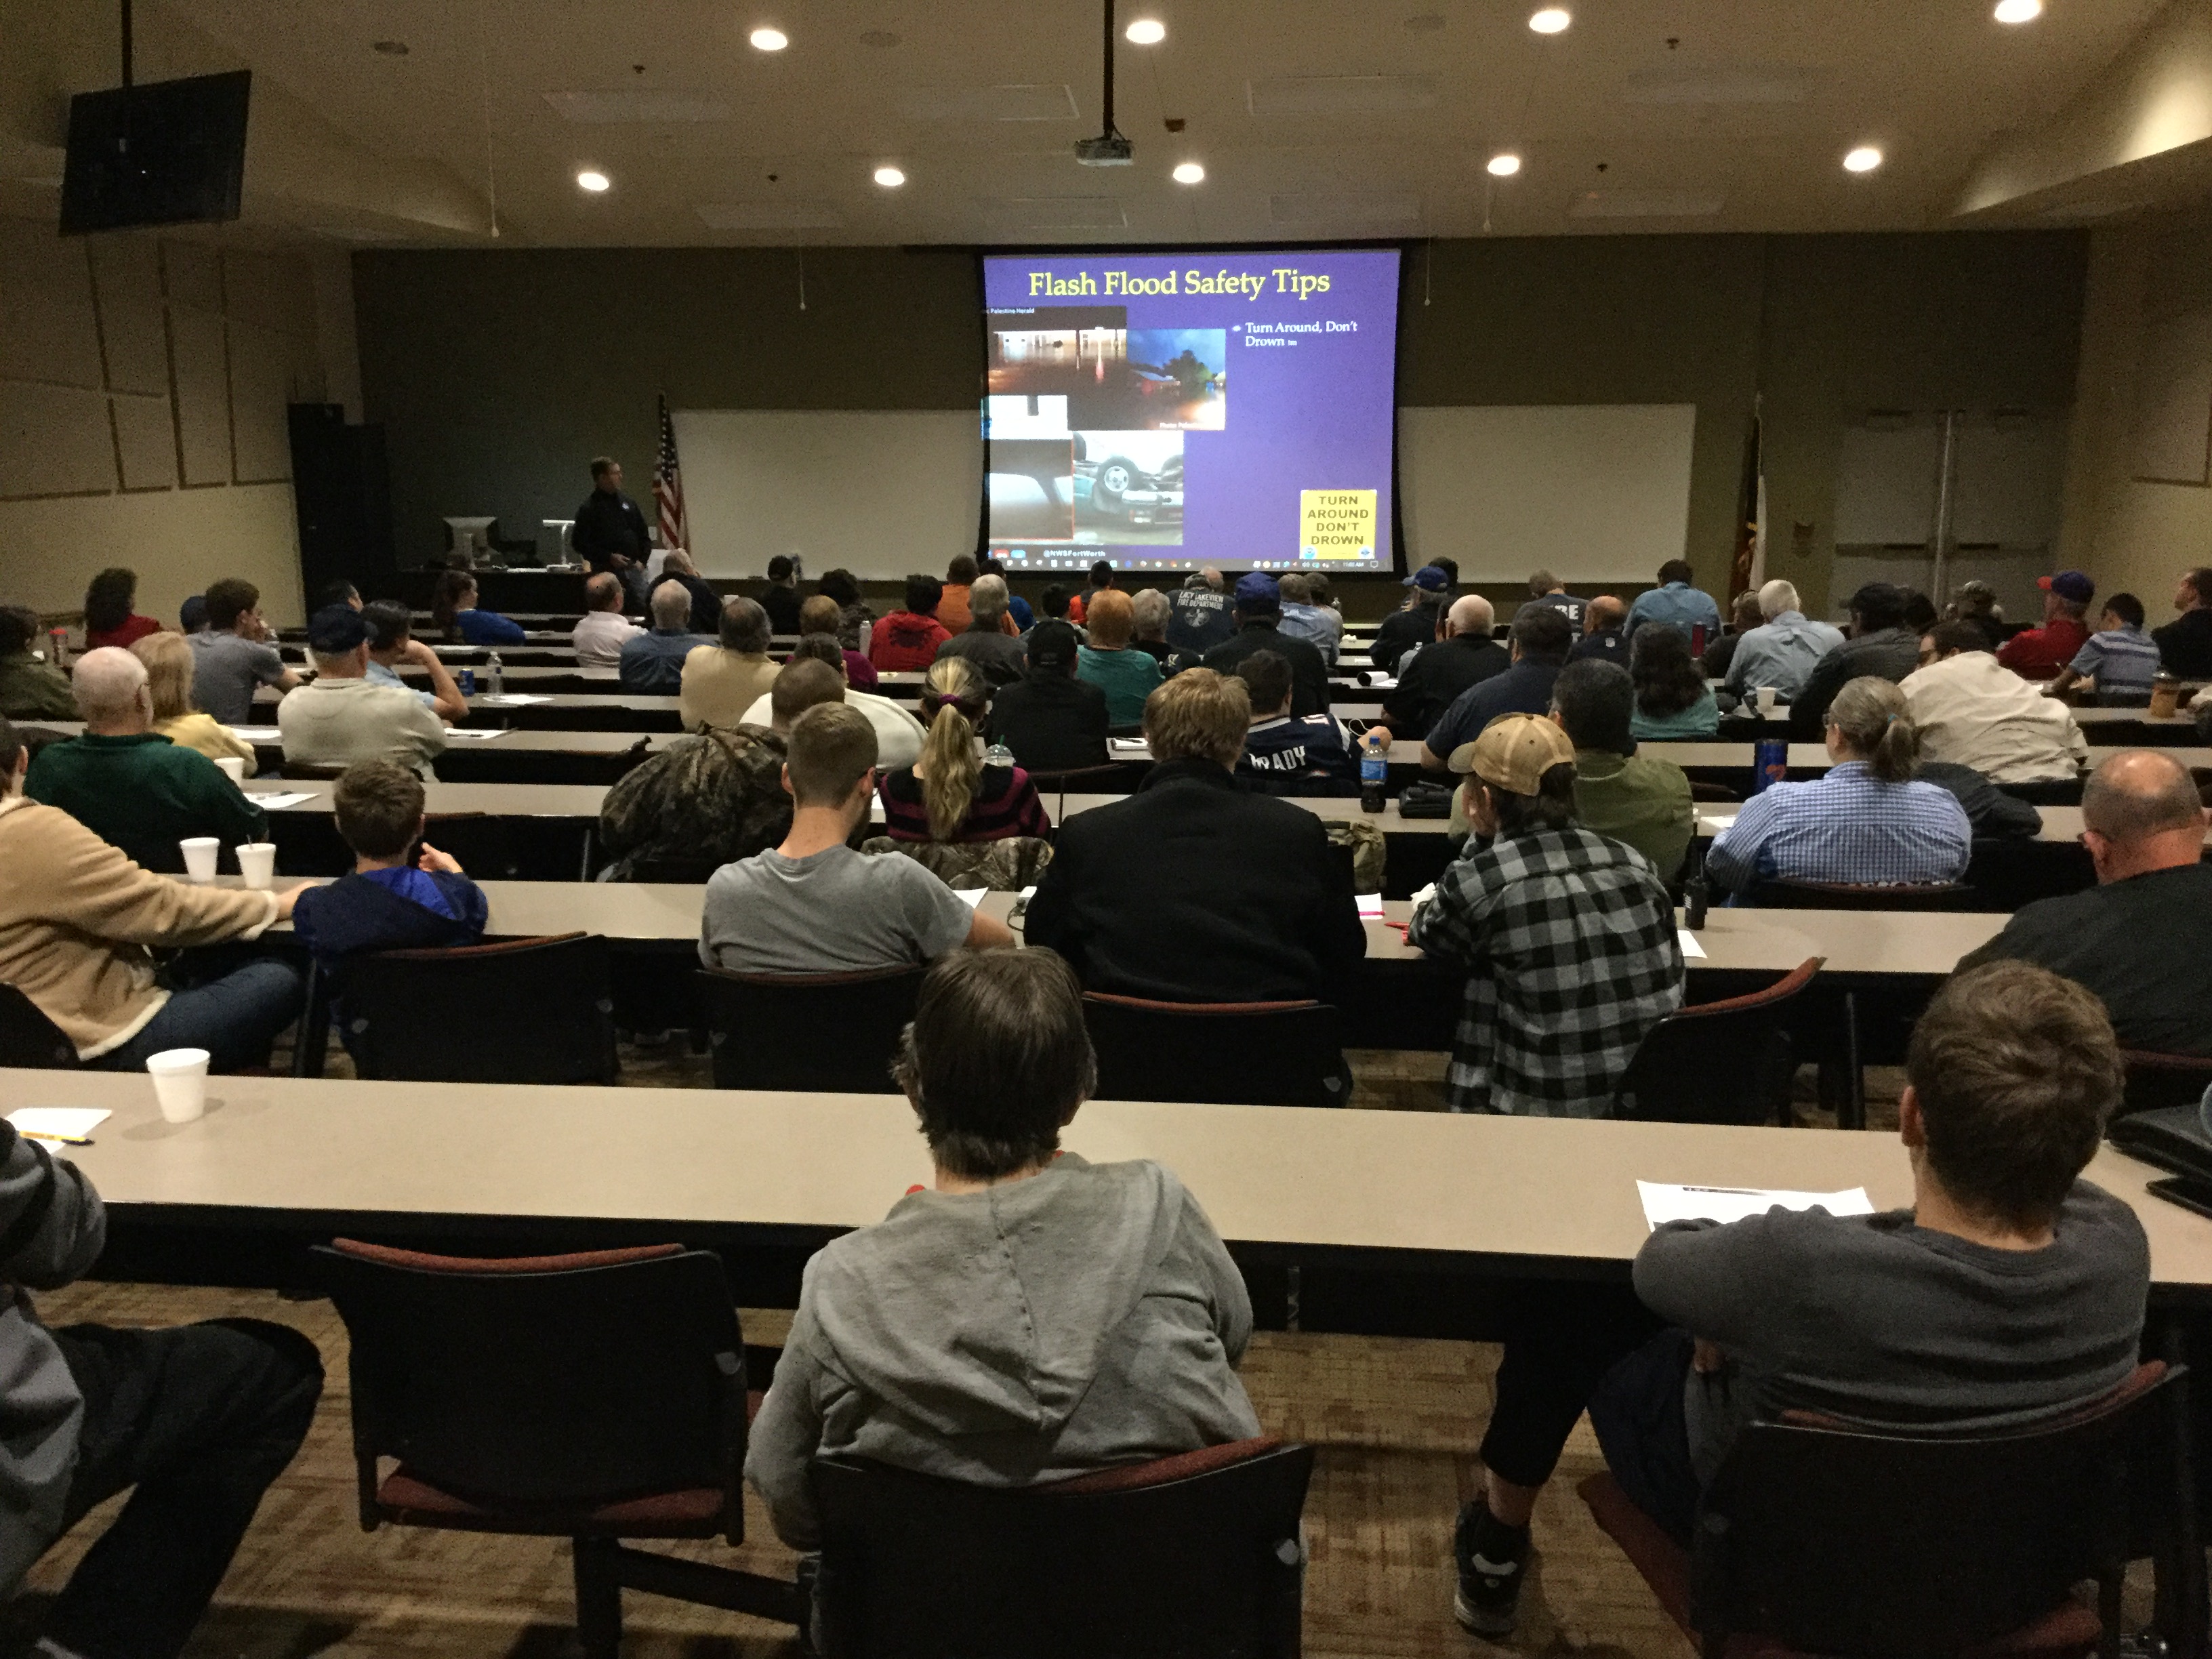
(1597, 492)
(881, 492)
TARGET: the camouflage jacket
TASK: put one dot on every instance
(715, 798)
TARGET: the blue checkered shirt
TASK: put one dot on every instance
(1568, 939)
(1848, 827)
(2121, 659)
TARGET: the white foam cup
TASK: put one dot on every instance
(179, 1082)
(199, 856)
(233, 768)
(1766, 696)
(257, 862)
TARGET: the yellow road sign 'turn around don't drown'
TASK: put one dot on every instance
(1336, 524)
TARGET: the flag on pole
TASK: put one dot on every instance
(668, 486)
(1748, 571)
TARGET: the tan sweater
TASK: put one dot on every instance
(76, 916)
(203, 732)
(720, 685)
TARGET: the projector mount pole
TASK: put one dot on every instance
(123, 115)
(126, 46)
(1108, 129)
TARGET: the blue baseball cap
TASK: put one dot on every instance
(336, 629)
(1430, 579)
(2069, 585)
(1256, 591)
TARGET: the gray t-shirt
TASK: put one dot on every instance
(227, 669)
(1884, 1324)
(835, 911)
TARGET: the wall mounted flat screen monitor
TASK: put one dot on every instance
(1170, 410)
(165, 153)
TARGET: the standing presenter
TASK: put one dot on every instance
(611, 532)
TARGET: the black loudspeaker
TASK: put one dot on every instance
(342, 490)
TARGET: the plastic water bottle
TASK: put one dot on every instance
(1374, 767)
(498, 677)
(60, 637)
(1696, 896)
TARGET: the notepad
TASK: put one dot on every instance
(283, 799)
(1371, 906)
(1719, 823)
(510, 699)
(257, 734)
(1126, 745)
(1690, 946)
(1664, 1201)
(53, 1125)
(476, 733)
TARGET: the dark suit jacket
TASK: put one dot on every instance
(1197, 889)
(1052, 721)
(1308, 668)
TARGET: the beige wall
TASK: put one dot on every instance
(143, 382)
(2143, 406)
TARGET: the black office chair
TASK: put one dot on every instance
(526, 1011)
(2154, 1080)
(1819, 1538)
(1197, 1557)
(595, 1397)
(827, 1033)
(1717, 1062)
(29, 1039)
(1776, 894)
(1233, 1053)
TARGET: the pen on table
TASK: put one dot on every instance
(59, 1140)
(1740, 1192)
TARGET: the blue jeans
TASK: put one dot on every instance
(1642, 1426)
(236, 1019)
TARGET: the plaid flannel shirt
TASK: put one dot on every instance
(1571, 955)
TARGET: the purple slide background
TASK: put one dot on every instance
(1314, 414)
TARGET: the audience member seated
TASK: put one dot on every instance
(1673, 701)
(1880, 645)
(1193, 889)
(1540, 639)
(2012, 1291)
(30, 689)
(1259, 616)
(820, 615)
(898, 734)
(907, 640)
(1316, 624)
(1920, 615)
(76, 920)
(1992, 813)
(1052, 721)
(779, 598)
(137, 791)
(1636, 800)
(199, 1418)
(343, 716)
(1970, 711)
(1059, 1316)
(2039, 654)
(1782, 650)
(1605, 634)
(947, 794)
(2141, 938)
(2118, 661)
(1568, 938)
(988, 643)
(1977, 602)
(192, 614)
(855, 617)
(391, 641)
(1413, 624)
(1676, 603)
(813, 905)
(952, 609)
(1865, 821)
(1019, 617)
(1149, 606)
(1199, 617)
(1284, 755)
(603, 630)
(1743, 616)
(651, 663)
(338, 592)
(168, 662)
(1102, 578)
(1463, 655)
(109, 617)
(1057, 604)
(706, 602)
(1126, 675)
(1545, 588)
(2185, 645)
(453, 612)
(234, 656)
(720, 681)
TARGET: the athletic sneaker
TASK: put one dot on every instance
(1490, 1557)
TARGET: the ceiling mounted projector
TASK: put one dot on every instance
(1110, 149)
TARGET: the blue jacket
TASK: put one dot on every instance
(356, 915)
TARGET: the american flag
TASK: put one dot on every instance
(668, 486)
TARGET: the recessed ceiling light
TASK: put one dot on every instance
(1145, 32)
(769, 40)
(1188, 172)
(1505, 165)
(1552, 20)
(2019, 11)
(1865, 159)
(889, 177)
(593, 181)
(397, 48)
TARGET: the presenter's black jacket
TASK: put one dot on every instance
(1052, 721)
(1308, 668)
(1197, 889)
(608, 523)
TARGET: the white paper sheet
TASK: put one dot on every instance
(51, 1124)
(1721, 821)
(1691, 948)
(257, 734)
(280, 800)
(1378, 683)
(1664, 1201)
(1126, 745)
(476, 733)
(1370, 906)
(510, 699)
(971, 897)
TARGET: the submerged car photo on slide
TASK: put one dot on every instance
(1128, 487)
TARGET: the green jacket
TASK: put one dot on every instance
(1637, 800)
(34, 690)
(143, 794)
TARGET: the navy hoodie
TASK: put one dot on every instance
(354, 914)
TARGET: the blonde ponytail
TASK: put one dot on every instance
(950, 766)
(1871, 715)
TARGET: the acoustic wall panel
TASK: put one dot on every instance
(260, 387)
(2174, 401)
(145, 442)
(47, 327)
(126, 275)
(196, 346)
(54, 440)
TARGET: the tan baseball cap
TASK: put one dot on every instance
(1514, 752)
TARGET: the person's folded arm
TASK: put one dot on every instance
(1231, 1302)
(96, 889)
(988, 932)
(52, 1223)
(1721, 1283)
(782, 1444)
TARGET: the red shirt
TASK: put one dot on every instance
(134, 629)
(906, 641)
(2038, 653)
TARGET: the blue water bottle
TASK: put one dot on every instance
(1374, 767)
(1769, 763)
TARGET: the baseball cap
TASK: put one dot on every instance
(1514, 752)
(1256, 591)
(1430, 579)
(2069, 585)
(336, 629)
(1051, 644)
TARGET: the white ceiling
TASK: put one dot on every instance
(1313, 118)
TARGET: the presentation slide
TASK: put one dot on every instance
(1170, 410)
